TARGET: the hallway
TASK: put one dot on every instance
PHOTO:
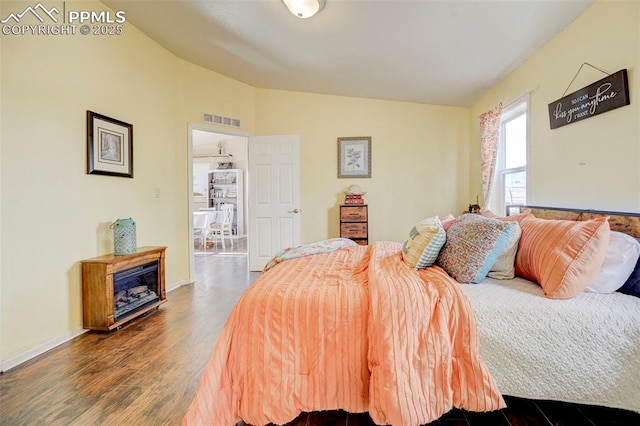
(239, 247)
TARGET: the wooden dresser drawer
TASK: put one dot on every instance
(353, 230)
(353, 213)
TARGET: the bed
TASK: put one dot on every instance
(585, 349)
(582, 350)
(356, 328)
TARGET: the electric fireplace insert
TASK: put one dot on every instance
(134, 289)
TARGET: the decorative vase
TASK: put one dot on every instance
(124, 237)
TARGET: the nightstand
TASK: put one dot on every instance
(354, 223)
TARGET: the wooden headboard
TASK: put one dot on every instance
(629, 223)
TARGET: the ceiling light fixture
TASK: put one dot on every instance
(304, 8)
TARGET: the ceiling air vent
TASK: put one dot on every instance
(219, 119)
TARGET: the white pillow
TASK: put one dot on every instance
(622, 254)
(504, 268)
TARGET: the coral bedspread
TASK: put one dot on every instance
(354, 329)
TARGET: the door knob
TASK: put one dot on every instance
(294, 211)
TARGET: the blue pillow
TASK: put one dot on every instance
(632, 285)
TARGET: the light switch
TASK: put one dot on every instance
(157, 192)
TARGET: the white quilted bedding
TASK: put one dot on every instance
(581, 350)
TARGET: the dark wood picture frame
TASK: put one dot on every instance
(354, 157)
(109, 146)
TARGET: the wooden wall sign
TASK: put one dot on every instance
(604, 95)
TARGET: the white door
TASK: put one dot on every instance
(274, 196)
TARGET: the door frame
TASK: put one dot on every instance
(211, 128)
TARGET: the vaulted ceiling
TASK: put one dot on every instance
(425, 51)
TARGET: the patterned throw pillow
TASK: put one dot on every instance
(473, 245)
(424, 243)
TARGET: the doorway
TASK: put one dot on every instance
(218, 177)
(272, 210)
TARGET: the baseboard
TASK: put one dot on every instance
(178, 284)
(40, 349)
(13, 362)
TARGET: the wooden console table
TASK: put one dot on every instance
(98, 304)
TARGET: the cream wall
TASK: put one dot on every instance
(200, 90)
(607, 35)
(53, 214)
(419, 158)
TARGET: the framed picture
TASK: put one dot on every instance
(109, 146)
(354, 157)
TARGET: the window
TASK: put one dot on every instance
(511, 166)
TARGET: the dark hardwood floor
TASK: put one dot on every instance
(519, 412)
(146, 372)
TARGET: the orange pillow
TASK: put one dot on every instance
(563, 256)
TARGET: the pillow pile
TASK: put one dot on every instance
(424, 243)
(472, 247)
(562, 256)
